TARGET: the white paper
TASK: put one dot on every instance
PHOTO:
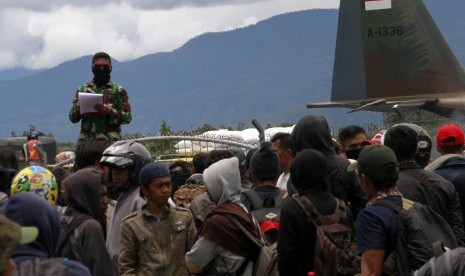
(87, 102)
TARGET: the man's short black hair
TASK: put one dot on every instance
(382, 183)
(200, 162)
(285, 141)
(452, 149)
(101, 55)
(185, 166)
(403, 141)
(88, 153)
(350, 132)
(217, 155)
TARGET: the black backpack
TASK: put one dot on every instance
(69, 245)
(419, 227)
(266, 213)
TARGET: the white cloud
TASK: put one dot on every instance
(35, 38)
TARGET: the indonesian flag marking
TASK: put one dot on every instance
(371, 5)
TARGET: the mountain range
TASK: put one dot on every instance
(268, 71)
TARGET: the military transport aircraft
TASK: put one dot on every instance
(390, 56)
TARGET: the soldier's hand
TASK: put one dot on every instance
(103, 108)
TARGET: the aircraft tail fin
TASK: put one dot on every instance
(391, 48)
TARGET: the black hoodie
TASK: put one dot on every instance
(29, 209)
(83, 188)
(312, 132)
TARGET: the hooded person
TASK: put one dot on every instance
(297, 236)
(312, 132)
(82, 233)
(222, 248)
(11, 234)
(245, 183)
(29, 209)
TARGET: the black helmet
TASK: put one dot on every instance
(424, 144)
(126, 154)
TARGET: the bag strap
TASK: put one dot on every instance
(254, 198)
(447, 262)
(389, 204)
(428, 185)
(68, 237)
(438, 248)
(313, 215)
(259, 242)
(278, 198)
(3, 198)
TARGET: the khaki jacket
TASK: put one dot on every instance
(151, 247)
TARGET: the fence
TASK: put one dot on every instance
(174, 148)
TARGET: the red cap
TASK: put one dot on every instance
(269, 225)
(450, 135)
(378, 139)
(365, 143)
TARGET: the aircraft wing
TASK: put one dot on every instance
(384, 105)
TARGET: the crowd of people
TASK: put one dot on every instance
(117, 212)
(325, 206)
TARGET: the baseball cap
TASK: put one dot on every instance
(378, 138)
(12, 234)
(377, 161)
(450, 135)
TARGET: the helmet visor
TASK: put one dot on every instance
(116, 161)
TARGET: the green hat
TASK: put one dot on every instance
(11, 234)
(377, 161)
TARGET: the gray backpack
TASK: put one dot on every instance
(42, 267)
(449, 263)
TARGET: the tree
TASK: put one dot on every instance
(240, 126)
(285, 125)
(165, 130)
(204, 128)
(164, 146)
(428, 120)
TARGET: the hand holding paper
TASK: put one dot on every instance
(88, 103)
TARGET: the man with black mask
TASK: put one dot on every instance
(105, 123)
(352, 138)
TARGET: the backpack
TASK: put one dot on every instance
(265, 264)
(335, 246)
(419, 227)
(42, 267)
(268, 217)
(69, 245)
(449, 263)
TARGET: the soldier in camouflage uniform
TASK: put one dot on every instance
(105, 125)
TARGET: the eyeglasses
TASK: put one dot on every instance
(101, 66)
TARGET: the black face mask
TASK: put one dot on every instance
(101, 76)
(178, 179)
(353, 153)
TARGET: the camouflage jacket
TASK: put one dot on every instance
(103, 127)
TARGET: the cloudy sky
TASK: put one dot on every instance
(38, 34)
